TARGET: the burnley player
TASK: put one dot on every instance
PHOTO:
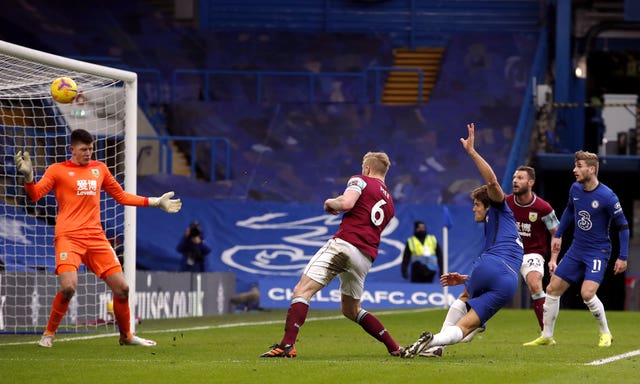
(591, 210)
(535, 218)
(79, 236)
(348, 255)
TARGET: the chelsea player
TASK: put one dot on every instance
(494, 276)
(591, 209)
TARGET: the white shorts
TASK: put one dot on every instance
(532, 262)
(340, 258)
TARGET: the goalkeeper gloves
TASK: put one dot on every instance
(166, 203)
(24, 166)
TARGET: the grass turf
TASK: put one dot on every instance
(330, 349)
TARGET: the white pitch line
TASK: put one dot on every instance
(614, 358)
(244, 324)
(271, 322)
(219, 326)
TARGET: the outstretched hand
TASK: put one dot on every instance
(24, 166)
(468, 143)
(166, 203)
(453, 278)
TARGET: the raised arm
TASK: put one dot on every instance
(494, 189)
(24, 166)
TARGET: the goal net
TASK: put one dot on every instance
(30, 120)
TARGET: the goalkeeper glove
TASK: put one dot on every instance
(24, 166)
(166, 203)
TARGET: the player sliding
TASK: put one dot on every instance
(79, 237)
(494, 278)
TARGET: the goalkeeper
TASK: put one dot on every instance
(79, 237)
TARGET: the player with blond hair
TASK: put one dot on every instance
(591, 210)
(368, 208)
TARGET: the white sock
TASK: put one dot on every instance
(551, 309)
(456, 311)
(597, 310)
(449, 335)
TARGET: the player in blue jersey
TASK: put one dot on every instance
(591, 209)
(494, 276)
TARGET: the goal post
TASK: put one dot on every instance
(31, 120)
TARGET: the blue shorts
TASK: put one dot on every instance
(589, 265)
(491, 285)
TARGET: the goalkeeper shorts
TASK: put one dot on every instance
(95, 252)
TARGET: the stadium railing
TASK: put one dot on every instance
(370, 81)
(165, 160)
(410, 21)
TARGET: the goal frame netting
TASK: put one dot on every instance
(130, 83)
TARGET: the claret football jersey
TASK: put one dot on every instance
(364, 223)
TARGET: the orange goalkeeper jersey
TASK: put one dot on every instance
(77, 191)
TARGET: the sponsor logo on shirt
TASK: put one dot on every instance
(86, 187)
(584, 222)
(524, 229)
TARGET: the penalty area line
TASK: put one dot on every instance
(614, 358)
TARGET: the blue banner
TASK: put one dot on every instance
(277, 293)
(259, 240)
(26, 243)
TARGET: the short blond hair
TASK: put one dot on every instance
(378, 162)
(590, 158)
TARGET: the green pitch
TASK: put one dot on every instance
(331, 349)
